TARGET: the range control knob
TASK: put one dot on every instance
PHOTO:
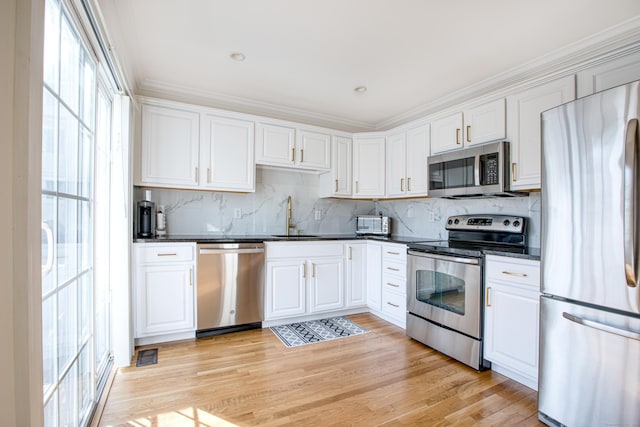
(516, 223)
(450, 222)
(506, 222)
(456, 221)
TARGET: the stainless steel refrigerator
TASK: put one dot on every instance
(590, 304)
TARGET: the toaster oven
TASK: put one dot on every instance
(373, 224)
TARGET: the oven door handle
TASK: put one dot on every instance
(473, 261)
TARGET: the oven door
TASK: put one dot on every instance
(446, 290)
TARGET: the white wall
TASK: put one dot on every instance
(21, 39)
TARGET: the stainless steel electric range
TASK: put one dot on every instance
(445, 283)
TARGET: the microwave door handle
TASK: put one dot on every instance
(631, 228)
(476, 171)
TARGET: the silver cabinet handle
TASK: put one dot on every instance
(293, 154)
(173, 254)
(401, 184)
(602, 327)
(191, 277)
(513, 172)
(393, 305)
(393, 284)
(393, 253)
(631, 228)
(301, 155)
(408, 184)
(486, 299)
(350, 253)
(393, 269)
(336, 186)
(510, 273)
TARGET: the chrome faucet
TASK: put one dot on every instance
(289, 224)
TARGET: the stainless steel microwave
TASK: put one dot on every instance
(481, 171)
(373, 224)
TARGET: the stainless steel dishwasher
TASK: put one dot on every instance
(230, 287)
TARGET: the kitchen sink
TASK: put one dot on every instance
(294, 236)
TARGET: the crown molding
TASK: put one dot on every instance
(613, 42)
(155, 88)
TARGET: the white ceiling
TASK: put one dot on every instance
(305, 57)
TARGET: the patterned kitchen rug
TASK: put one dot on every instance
(295, 334)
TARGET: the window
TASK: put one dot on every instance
(75, 143)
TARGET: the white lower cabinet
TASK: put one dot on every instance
(356, 274)
(394, 283)
(303, 278)
(512, 306)
(374, 276)
(164, 289)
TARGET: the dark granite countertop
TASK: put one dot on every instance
(529, 253)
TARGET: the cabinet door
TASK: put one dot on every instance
(417, 154)
(164, 299)
(169, 147)
(511, 328)
(313, 150)
(227, 154)
(485, 123)
(327, 284)
(285, 289)
(374, 276)
(396, 165)
(275, 145)
(368, 167)
(524, 111)
(356, 274)
(610, 74)
(446, 134)
(341, 166)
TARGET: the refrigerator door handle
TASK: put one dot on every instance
(631, 227)
(602, 327)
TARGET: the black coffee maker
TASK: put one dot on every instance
(146, 216)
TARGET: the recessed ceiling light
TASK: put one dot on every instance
(237, 56)
(361, 89)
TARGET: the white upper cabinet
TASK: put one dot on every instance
(484, 123)
(477, 125)
(169, 147)
(446, 133)
(284, 146)
(275, 145)
(368, 167)
(406, 161)
(337, 183)
(523, 110)
(227, 154)
(609, 74)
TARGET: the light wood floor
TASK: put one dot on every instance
(250, 378)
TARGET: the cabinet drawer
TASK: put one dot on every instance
(303, 250)
(394, 268)
(394, 305)
(394, 284)
(165, 253)
(513, 270)
(397, 253)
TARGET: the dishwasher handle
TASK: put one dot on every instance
(206, 251)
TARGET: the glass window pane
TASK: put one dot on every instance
(88, 91)
(86, 308)
(86, 236)
(51, 44)
(67, 326)
(69, 66)
(51, 412)
(68, 153)
(85, 381)
(68, 396)
(49, 365)
(67, 246)
(86, 169)
(49, 228)
(49, 142)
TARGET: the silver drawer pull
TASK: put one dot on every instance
(393, 269)
(510, 273)
(167, 254)
(393, 253)
(393, 284)
(393, 305)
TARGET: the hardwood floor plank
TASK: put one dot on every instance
(250, 378)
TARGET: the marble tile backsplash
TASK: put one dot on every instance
(264, 212)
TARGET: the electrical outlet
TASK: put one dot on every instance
(237, 213)
(432, 217)
(318, 214)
